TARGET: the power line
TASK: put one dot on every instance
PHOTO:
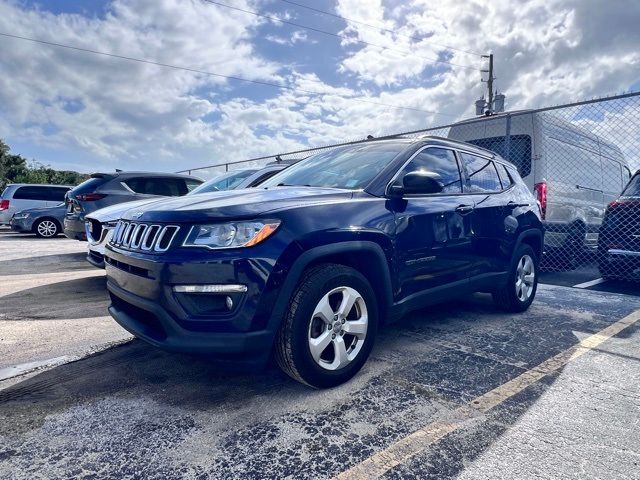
(344, 37)
(213, 74)
(382, 29)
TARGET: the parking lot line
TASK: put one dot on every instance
(591, 283)
(418, 441)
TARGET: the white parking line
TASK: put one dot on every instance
(408, 447)
(591, 283)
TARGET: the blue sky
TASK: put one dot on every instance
(75, 110)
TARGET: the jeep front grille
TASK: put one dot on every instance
(143, 236)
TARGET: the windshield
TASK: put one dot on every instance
(351, 167)
(228, 181)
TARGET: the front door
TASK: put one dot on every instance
(433, 244)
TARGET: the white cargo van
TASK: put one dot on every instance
(573, 173)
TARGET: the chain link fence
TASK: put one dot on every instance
(575, 158)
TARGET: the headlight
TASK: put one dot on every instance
(21, 216)
(231, 235)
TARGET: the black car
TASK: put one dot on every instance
(619, 239)
(308, 265)
(106, 189)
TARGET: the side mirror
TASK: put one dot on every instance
(419, 182)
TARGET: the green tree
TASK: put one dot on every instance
(15, 169)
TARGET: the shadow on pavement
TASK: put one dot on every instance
(421, 370)
(58, 263)
(79, 298)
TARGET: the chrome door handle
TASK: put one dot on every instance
(465, 209)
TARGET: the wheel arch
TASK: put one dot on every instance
(367, 257)
(532, 237)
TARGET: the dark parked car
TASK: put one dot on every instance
(45, 222)
(619, 239)
(308, 265)
(105, 189)
(99, 223)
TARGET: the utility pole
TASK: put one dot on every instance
(490, 81)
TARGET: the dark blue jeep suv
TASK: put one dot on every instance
(307, 266)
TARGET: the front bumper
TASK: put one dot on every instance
(144, 303)
(21, 225)
(74, 228)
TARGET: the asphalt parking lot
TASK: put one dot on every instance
(460, 390)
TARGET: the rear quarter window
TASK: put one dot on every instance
(505, 177)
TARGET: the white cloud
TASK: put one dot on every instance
(130, 110)
(123, 114)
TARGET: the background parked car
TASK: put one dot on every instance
(105, 189)
(573, 173)
(22, 196)
(619, 245)
(100, 223)
(44, 222)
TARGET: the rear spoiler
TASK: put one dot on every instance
(103, 175)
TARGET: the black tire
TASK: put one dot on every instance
(53, 228)
(292, 348)
(507, 297)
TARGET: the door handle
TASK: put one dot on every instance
(465, 209)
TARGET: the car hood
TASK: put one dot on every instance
(115, 212)
(232, 204)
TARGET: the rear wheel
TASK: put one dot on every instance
(522, 282)
(329, 328)
(46, 228)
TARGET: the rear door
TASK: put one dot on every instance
(56, 195)
(433, 232)
(488, 220)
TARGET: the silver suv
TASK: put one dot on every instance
(105, 189)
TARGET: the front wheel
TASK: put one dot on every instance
(522, 282)
(46, 228)
(329, 328)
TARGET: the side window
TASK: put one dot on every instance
(505, 178)
(483, 176)
(262, 178)
(56, 194)
(138, 185)
(31, 193)
(440, 161)
(166, 187)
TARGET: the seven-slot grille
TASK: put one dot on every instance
(143, 236)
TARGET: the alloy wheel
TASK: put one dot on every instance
(47, 228)
(338, 328)
(525, 278)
